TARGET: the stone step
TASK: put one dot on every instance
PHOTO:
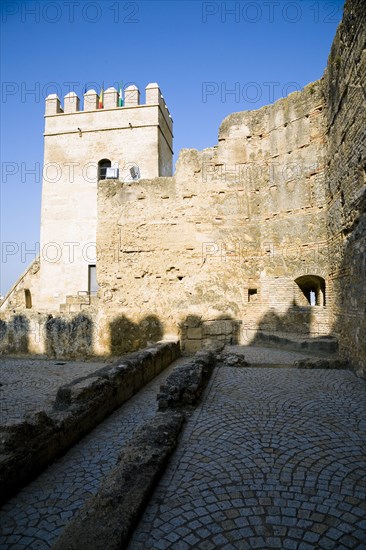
(78, 302)
(78, 299)
(320, 344)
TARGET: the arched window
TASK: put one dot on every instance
(102, 168)
(312, 289)
(27, 298)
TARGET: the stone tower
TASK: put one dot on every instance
(134, 140)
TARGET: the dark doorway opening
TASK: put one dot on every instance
(102, 168)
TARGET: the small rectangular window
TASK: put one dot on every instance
(93, 285)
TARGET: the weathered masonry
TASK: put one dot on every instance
(262, 234)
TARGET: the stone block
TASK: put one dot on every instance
(71, 103)
(153, 94)
(74, 308)
(91, 99)
(194, 333)
(53, 105)
(110, 98)
(132, 96)
(191, 346)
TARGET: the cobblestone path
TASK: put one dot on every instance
(34, 518)
(273, 458)
(30, 385)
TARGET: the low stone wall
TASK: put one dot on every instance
(107, 520)
(321, 344)
(77, 335)
(22, 333)
(197, 333)
(185, 385)
(322, 364)
(28, 447)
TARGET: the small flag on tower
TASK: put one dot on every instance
(100, 104)
(120, 100)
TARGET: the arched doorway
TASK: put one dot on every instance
(312, 289)
(102, 168)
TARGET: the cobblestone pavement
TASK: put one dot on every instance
(273, 458)
(30, 385)
(35, 517)
(269, 356)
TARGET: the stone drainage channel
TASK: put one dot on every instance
(271, 458)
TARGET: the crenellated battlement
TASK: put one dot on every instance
(111, 100)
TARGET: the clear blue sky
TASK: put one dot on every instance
(196, 51)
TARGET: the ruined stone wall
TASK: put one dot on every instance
(214, 251)
(25, 291)
(28, 445)
(22, 332)
(344, 88)
(75, 335)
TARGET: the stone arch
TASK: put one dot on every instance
(312, 289)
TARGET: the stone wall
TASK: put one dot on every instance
(23, 332)
(345, 181)
(25, 291)
(76, 335)
(57, 336)
(213, 252)
(263, 233)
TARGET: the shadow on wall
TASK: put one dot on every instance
(349, 323)
(127, 336)
(294, 329)
(69, 339)
(296, 320)
(14, 335)
(62, 337)
(300, 327)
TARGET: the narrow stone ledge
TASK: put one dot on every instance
(322, 364)
(185, 385)
(108, 519)
(27, 448)
(322, 344)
